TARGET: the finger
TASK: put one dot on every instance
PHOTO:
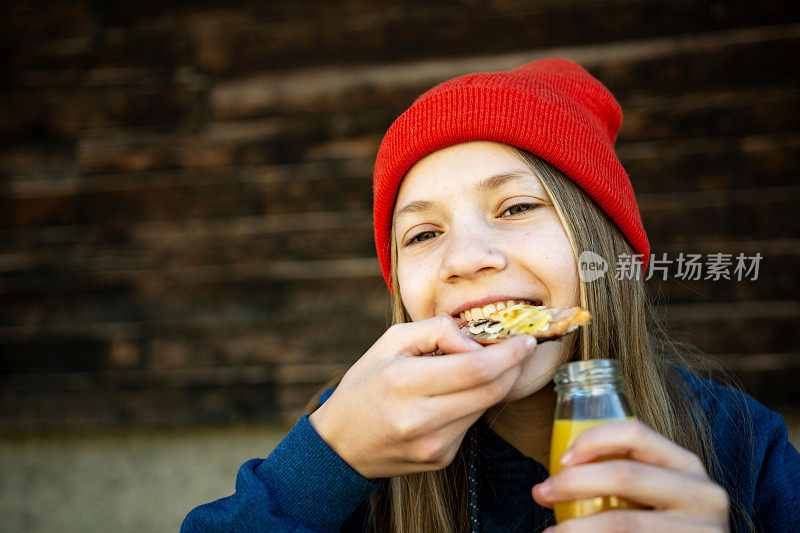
(452, 413)
(436, 449)
(474, 401)
(636, 439)
(449, 415)
(434, 376)
(649, 485)
(424, 337)
(630, 521)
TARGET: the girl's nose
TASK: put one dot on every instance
(468, 255)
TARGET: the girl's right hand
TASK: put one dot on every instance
(397, 413)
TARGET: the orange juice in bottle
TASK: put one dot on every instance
(590, 393)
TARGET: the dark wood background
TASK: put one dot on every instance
(185, 231)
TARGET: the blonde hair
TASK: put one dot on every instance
(625, 327)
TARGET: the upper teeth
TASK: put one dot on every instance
(479, 313)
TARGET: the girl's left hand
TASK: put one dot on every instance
(659, 474)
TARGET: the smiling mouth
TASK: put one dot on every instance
(479, 313)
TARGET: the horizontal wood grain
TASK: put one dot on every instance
(185, 188)
(710, 164)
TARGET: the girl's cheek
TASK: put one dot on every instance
(415, 290)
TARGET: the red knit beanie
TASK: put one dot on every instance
(551, 108)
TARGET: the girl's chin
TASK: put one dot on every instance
(539, 370)
(527, 391)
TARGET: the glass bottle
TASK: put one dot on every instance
(590, 393)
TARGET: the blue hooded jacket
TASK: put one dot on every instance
(304, 486)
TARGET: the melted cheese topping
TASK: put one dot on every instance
(522, 318)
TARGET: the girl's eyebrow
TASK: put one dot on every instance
(498, 180)
(417, 206)
(485, 185)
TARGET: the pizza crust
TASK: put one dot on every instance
(541, 322)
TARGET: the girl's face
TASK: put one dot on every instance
(474, 226)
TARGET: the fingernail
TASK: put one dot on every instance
(530, 342)
(474, 345)
(545, 489)
(566, 457)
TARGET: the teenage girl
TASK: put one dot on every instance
(486, 190)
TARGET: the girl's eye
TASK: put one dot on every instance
(419, 237)
(518, 208)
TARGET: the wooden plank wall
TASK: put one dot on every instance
(185, 196)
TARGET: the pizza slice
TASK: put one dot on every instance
(542, 322)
